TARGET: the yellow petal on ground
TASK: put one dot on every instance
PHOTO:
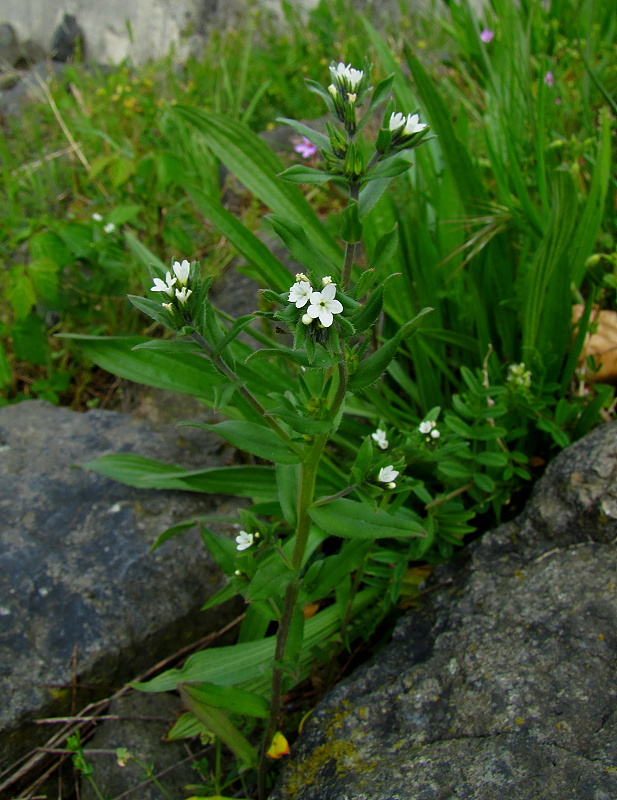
(279, 746)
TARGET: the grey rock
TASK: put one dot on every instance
(68, 40)
(81, 595)
(513, 693)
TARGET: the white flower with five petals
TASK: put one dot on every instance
(164, 286)
(387, 474)
(244, 540)
(324, 304)
(300, 293)
(183, 294)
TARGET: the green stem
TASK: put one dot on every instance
(350, 249)
(306, 493)
(222, 367)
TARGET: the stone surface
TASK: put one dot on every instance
(81, 595)
(504, 686)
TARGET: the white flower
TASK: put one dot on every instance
(168, 306)
(380, 438)
(306, 319)
(164, 286)
(324, 305)
(413, 125)
(300, 293)
(244, 540)
(352, 97)
(397, 121)
(325, 281)
(387, 474)
(435, 434)
(300, 276)
(346, 75)
(109, 228)
(182, 272)
(333, 90)
(426, 426)
(183, 294)
(97, 217)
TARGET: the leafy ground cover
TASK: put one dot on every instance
(505, 221)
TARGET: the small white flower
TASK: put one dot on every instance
(426, 426)
(413, 125)
(391, 485)
(435, 434)
(182, 272)
(387, 474)
(333, 90)
(306, 319)
(300, 293)
(97, 217)
(164, 286)
(324, 305)
(183, 294)
(380, 438)
(300, 276)
(109, 228)
(397, 121)
(346, 75)
(244, 540)
(168, 306)
(351, 98)
(325, 281)
(237, 572)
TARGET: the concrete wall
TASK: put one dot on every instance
(155, 25)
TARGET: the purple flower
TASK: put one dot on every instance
(549, 80)
(306, 148)
(487, 35)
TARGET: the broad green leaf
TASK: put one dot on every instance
(249, 664)
(182, 346)
(146, 473)
(324, 576)
(44, 275)
(187, 374)
(271, 579)
(230, 699)
(287, 477)
(186, 727)
(218, 723)
(352, 520)
(390, 168)
(20, 292)
(254, 439)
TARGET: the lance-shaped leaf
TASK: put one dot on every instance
(299, 173)
(229, 699)
(301, 247)
(352, 520)
(152, 309)
(219, 724)
(376, 364)
(320, 140)
(176, 346)
(319, 359)
(254, 439)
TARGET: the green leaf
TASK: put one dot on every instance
(30, 340)
(352, 520)
(256, 166)
(270, 270)
(144, 256)
(389, 168)
(299, 173)
(302, 424)
(146, 473)
(152, 309)
(227, 698)
(6, 377)
(182, 346)
(375, 365)
(320, 140)
(301, 247)
(287, 477)
(187, 374)
(492, 459)
(238, 326)
(250, 664)
(320, 359)
(20, 292)
(218, 723)
(271, 580)
(44, 275)
(254, 439)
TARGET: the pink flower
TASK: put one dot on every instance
(306, 148)
(487, 35)
(549, 80)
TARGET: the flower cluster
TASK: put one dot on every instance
(180, 279)
(519, 376)
(406, 131)
(347, 90)
(379, 437)
(429, 428)
(321, 305)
